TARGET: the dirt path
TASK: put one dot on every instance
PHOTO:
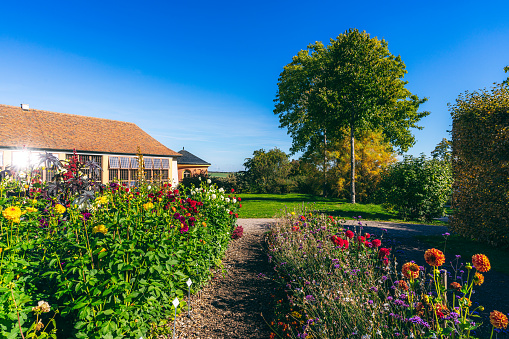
(232, 304)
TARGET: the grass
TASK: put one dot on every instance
(218, 174)
(499, 257)
(268, 205)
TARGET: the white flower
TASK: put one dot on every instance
(221, 190)
(222, 197)
(227, 199)
(149, 187)
(199, 178)
(234, 200)
(209, 181)
(213, 196)
(193, 192)
(197, 189)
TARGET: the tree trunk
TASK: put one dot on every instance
(352, 165)
(324, 164)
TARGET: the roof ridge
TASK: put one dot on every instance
(76, 115)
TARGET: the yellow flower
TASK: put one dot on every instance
(465, 302)
(204, 224)
(34, 201)
(478, 279)
(99, 229)
(31, 209)
(481, 262)
(148, 206)
(102, 250)
(102, 200)
(59, 209)
(12, 213)
(293, 213)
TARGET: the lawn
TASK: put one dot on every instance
(268, 205)
(218, 174)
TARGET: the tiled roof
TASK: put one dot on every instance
(190, 159)
(58, 131)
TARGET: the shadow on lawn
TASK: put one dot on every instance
(303, 198)
(364, 215)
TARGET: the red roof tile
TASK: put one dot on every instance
(58, 131)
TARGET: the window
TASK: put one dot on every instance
(164, 175)
(114, 163)
(1, 158)
(187, 174)
(124, 174)
(148, 163)
(166, 163)
(124, 162)
(157, 163)
(134, 162)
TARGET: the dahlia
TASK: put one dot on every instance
(410, 270)
(498, 319)
(478, 279)
(12, 213)
(434, 257)
(481, 262)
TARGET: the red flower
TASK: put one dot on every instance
(385, 261)
(349, 234)
(236, 215)
(231, 212)
(295, 228)
(239, 199)
(367, 235)
(240, 205)
(360, 238)
(233, 190)
(336, 240)
(383, 252)
(376, 243)
(368, 244)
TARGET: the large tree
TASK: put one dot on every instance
(353, 84)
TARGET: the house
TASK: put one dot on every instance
(25, 133)
(190, 165)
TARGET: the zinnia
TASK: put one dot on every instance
(434, 257)
(349, 234)
(12, 213)
(100, 229)
(481, 262)
(498, 319)
(376, 242)
(410, 270)
(148, 206)
(383, 252)
(455, 286)
(478, 279)
(59, 209)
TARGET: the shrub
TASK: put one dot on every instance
(480, 139)
(418, 188)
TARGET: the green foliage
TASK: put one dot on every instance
(269, 172)
(232, 181)
(109, 265)
(443, 151)
(353, 84)
(480, 137)
(418, 188)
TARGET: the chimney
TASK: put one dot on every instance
(25, 107)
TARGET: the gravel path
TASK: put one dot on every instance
(232, 305)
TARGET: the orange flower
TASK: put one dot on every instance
(434, 257)
(498, 319)
(410, 270)
(481, 262)
(455, 286)
(478, 279)
(403, 285)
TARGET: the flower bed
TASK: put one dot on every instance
(107, 264)
(340, 282)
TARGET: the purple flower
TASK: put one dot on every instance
(309, 297)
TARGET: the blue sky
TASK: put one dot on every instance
(203, 75)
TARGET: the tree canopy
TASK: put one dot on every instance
(353, 84)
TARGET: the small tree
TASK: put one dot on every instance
(418, 188)
(269, 172)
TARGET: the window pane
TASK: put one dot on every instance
(114, 162)
(97, 159)
(166, 163)
(187, 173)
(148, 163)
(124, 162)
(165, 174)
(113, 174)
(148, 175)
(134, 163)
(157, 163)
(124, 174)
